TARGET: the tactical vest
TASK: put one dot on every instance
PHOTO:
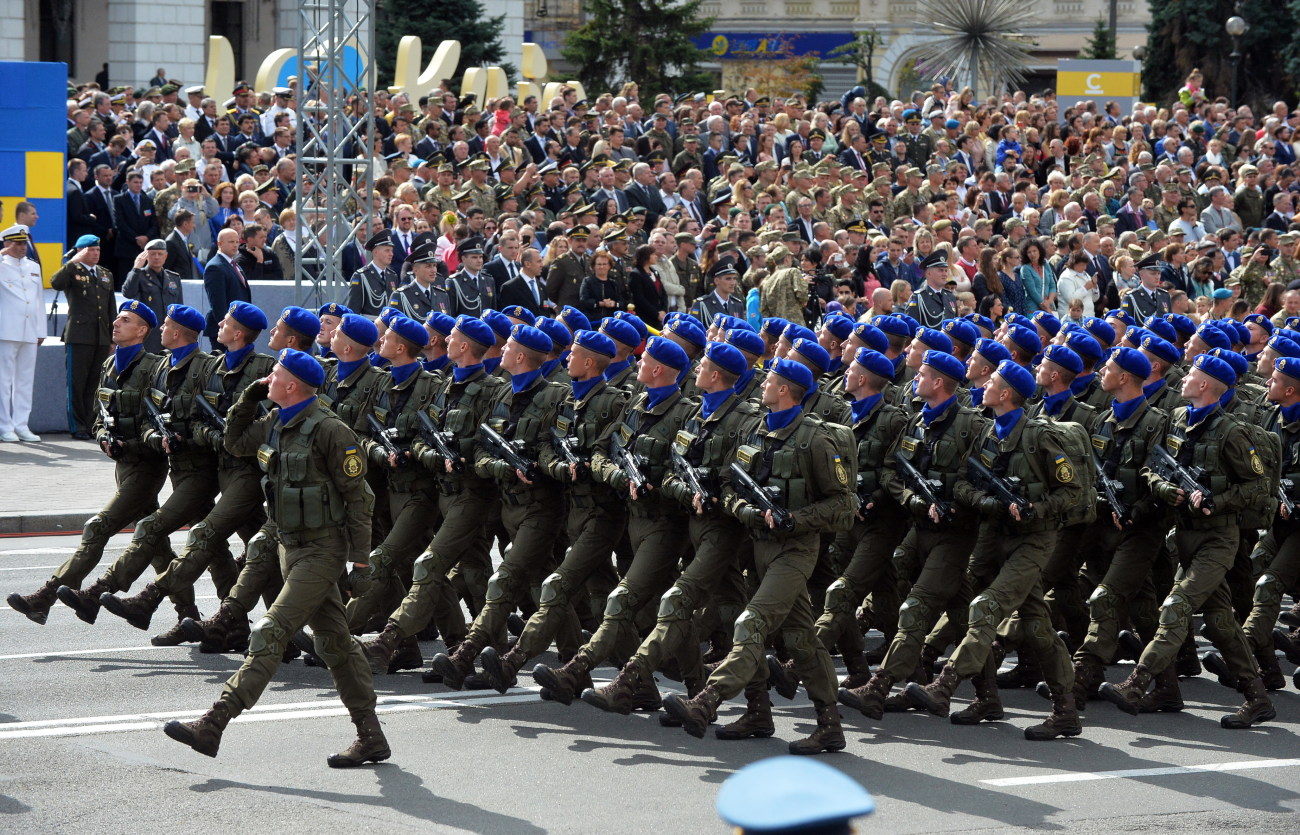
(1124, 455)
(526, 418)
(301, 497)
(347, 401)
(1023, 463)
(936, 451)
(175, 393)
(121, 395)
(585, 426)
(223, 388)
(874, 437)
(396, 409)
(650, 437)
(710, 446)
(459, 408)
(1200, 447)
(785, 464)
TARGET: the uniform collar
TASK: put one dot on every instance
(660, 395)
(1005, 425)
(1054, 403)
(179, 355)
(778, 422)
(863, 408)
(287, 415)
(402, 373)
(345, 370)
(461, 375)
(123, 357)
(524, 381)
(582, 389)
(711, 402)
(1123, 411)
(930, 415)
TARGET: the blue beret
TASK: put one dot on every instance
(1134, 336)
(796, 372)
(1289, 333)
(667, 352)
(1161, 328)
(1261, 320)
(595, 342)
(794, 332)
(86, 241)
(1047, 322)
(673, 315)
(839, 325)
(440, 322)
(1082, 343)
(140, 309)
(726, 357)
(945, 364)
(912, 325)
(937, 340)
(789, 794)
(574, 319)
(726, 323)
(476, 329)
(952, 124)
(303, 366)
(635, 321)
(1100, 330)
(530, 337)
(747, 341)
(1221, 293)
(186, 317)
(556, 330)
(910, 113)
(359, 329)
(386, 315)
(872, 336)
(1291, 322)
(1121, 316)
(689, 329)
(1064, 357)
(1183, 325)
(410, 330)
(893, 326)
(1133, 361)
(620, 331)
(1019, 319)
(1016, 377)
(734, 322)
(334, 309)
(1027, 340)
(1284, 347)
(875, 362)
(1216, 368)
(521, 313)
(1290, 366)
(1243, 333)
(775, 326)
(498, 322)
(1213, 337)
(301, 320)
(1239, 363)
(992, 350)
(814, 353)
(248, 316)
(961, 331)
(984, 323)
(1161, 348)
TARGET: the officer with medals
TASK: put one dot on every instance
(425, 292)
(1150, 299)
(934, 302)
(373, 284)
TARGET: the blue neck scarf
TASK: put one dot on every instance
(1081, 383)
(1003, 424)
(436, 364)
(551, 365)
(491, 364)
(655, 396)
(977, 397)
(863, 407)
(1290, 414)
(780, 420)
(1228, 396)
(122, 357)
(616, 368)
(345, 369)
(712, 400)
(1124, 411)
(234, 358)
(1195, 415)
(1053, 403)
(930, 415)
(744, 379)
(401, 373)
(288, 414)
(460, 375)
(581, 388)
(179, 354)
(519, 382)
(1152, 389)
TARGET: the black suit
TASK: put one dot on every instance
(352, 258)
(223, 285)
(400, 251)
(179, 258)
(648, 197)
(804, 228)
(650, 301)
(515, 291)
(132, 223)
(850, 158)
(98, 205)
(498, 270)
(203, 129)
(113, 161)
(79, 220)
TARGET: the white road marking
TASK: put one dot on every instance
(17, 551)
(31, 568)
(79, 652)
(1130, 773)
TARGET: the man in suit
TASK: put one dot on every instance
(223, 282)
(403, 221)
(99, 204)
(505, 266)
(644, 191)
(180, 252)
(526, 289)
(80, 221)
(158, 133)
(135, 223)
(87, 334)
(855, 156)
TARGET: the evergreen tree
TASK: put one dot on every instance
(646, 41)
(435, 21)
(1101, 46)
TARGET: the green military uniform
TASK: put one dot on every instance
(443, 198)
(1285, 270)
(1166, 214)
(689, 276)
(919, 149)
(686, 160)
(784, 295)
(1251, 276)
(483, 197)
(87, 335)
(162, 207)
(564, 279)
(905, 203)
(1248, 203)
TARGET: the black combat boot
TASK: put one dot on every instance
(407, 657)
(1257, 708)
(1128, 694)
(1216, 665)
(457, 667)
(1188, 664)
(211, 633)
(1286, 642)
(987, 706)
(204, 733)
(1026, 674)
(632, 689)
(381, 649)
(175, 636)
(565, 683)
(369, 746)
(501, 671)
(36, 606)
(782, 677)
(869, 699)
(936, 696)
(85, 602)
(1063, 720)
(138, 610)
(756, 721)
(858, 667)
(1165, 697)
(1129, 646)
(695, 713)
(829, 736)
(1269, 671)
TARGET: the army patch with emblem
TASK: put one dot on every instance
(1064, 472)
(351, 462)
(1256, 465)
(840, 472)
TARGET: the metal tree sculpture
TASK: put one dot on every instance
(980, 37)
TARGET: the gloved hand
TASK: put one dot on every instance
(1165, 491)
(917, 506)
(751, 517)
(359, 580)
(991, 508)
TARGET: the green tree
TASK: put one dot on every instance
(646, 41)
(1101, 46)
(436, 21)
(861, 53)
(1188, 34)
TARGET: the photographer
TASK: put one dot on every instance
(821, 285)
(198, 202)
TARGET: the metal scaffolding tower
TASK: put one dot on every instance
(336, 44)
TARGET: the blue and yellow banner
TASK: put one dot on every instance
(33, 152)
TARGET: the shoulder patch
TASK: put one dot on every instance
(840, 473)
(1064, 472)
(1256, 465)
(352, 462)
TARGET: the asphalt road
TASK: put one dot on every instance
(82, 749)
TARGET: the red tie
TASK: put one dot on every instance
(240, 273)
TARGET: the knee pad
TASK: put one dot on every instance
(201, 536)
(552, 588)
(675, 605)
(381, 563)
(1220, 622)
(985, 612)
(145, 528)
(331, 648)
(1102, 604)
(497, 586)
(911, 615)
(1268, 590)
(1175, 608)
(261, 548)
(267, 637)
(796, 641)
(840, 598)
(750, 628)
(619, 602)
(96, 527)
(423, 568)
